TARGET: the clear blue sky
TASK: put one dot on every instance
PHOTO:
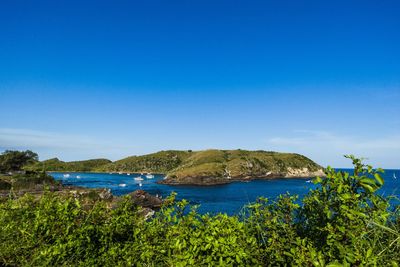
(82, 79)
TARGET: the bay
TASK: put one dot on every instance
(229, 198)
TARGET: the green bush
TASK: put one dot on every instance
(31, 179)
(343, 222)
(12, 160)
(4, 185)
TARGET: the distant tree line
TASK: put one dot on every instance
(12, 160)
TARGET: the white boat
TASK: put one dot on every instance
(120, 173)
(149, 176)
(394, 176)
(66, 175)
(140, 184)
(122, 185)
(308, 181)
(78, 177)
(128, 174)
(138, 178)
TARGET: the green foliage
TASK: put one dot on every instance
(343, 222)
(342, 211)
(28, 180)
(160, 162)
(58, 165)
(31, 179)
(11, 160)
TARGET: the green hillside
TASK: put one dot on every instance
(57, 165)
(160, 162)
(221, 166)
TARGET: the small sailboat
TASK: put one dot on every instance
(149, 176)
(138, 178)
(394, 176)
(122, 185)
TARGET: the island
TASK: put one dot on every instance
(205, 167)
(212, 167)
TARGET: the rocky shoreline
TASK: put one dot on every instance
(220, 180)
(146, 202)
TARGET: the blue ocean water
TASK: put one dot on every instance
(229, 198)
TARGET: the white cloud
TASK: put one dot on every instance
(66, 146)
(10, 138)
(328, 148)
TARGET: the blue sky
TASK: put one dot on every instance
(82, 79)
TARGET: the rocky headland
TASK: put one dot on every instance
(213, 167)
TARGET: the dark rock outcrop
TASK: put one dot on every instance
(145, 200)
(220, 180)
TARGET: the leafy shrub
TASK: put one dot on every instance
(341, 222)
(31, 179)
(11, 160)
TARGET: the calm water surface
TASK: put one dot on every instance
(228, 198)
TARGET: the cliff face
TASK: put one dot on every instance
(304, 173)
(212, 167)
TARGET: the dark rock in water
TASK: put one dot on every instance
(144, 199)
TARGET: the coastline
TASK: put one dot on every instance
(210, 180)
(155, 173)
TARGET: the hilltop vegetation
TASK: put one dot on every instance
(160, 162)
(342, 222)
(57, 165)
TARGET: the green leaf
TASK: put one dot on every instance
(334, 264)
(378, 178)
(368, 181)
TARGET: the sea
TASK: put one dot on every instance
(228, 198)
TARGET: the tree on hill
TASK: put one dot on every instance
(13, 160)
